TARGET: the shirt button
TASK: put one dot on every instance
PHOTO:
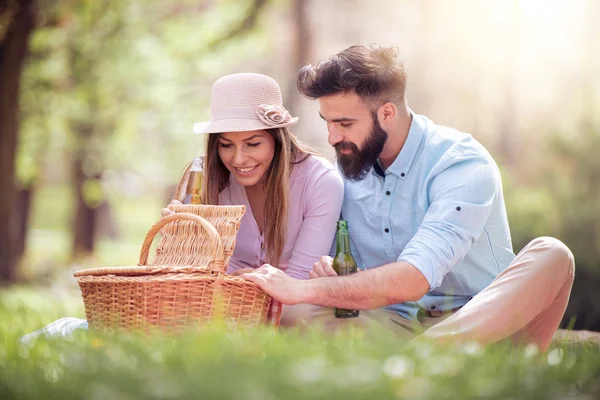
(388, 192)
(403, 174)
(386, 230)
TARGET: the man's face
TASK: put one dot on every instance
(354, 132)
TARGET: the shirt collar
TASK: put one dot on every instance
(403, 162)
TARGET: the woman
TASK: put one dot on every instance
(293, 197)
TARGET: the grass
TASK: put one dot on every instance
(221, 363)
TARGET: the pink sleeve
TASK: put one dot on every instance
(323, 206)
(233, 266)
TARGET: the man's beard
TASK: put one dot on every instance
(356, 165)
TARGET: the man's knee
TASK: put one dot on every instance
(558, 258)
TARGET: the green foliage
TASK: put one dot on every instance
(49, 243)
(93, 193)
(114, 88)
(565, 201)
(564, 204)
(221, 363)
(575, 181)
(532, 212)
(123, 82)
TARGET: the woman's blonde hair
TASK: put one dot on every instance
(288, 152)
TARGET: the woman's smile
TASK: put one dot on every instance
(246, 170)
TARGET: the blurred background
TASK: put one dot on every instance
(98, 99)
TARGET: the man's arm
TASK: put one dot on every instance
(393, 283)
(461, 194)
(389, 284)
(461, 197)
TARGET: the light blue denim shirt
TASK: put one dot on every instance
(439, 207)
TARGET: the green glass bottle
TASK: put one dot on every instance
(344, 263)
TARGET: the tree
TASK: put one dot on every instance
(101, 89)
(104, 84)
(302, 47)
(91, 81)
(20, 18)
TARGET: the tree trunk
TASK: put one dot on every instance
(13, 49)
(21, 217)
(302, 47)
(302, 33)
(84, 225)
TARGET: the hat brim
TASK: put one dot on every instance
(237, 125)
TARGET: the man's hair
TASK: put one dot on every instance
(375, 73)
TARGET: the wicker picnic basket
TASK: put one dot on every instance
(185, 285)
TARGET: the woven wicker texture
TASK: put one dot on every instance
(186, 284)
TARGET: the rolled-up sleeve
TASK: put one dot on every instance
(461, 197)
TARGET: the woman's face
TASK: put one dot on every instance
(247, 155)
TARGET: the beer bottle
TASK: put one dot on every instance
(344, 263)
(193, 190)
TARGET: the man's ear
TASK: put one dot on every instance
(386, 113)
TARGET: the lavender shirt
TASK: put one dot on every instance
(315, 202)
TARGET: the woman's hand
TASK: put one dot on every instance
(323, 267)
(165, 211)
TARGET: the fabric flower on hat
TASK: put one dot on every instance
(273, 115)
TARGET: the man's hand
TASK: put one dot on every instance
(278, 284)
(323, 267)
(165, 211)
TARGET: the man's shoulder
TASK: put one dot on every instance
(448, 144)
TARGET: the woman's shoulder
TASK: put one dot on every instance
(316, 170)
(313, 163)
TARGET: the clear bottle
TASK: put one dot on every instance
(344, 263)
(193, 190)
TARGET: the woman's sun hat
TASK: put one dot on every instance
(245, 102)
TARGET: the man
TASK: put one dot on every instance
(427, 219)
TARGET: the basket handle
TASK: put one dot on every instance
(216, 265)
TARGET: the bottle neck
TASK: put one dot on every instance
(196, 168)
(342, 241)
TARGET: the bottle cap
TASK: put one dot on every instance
(342, 223)
(197, 164)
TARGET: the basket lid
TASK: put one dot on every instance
(140, 271)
